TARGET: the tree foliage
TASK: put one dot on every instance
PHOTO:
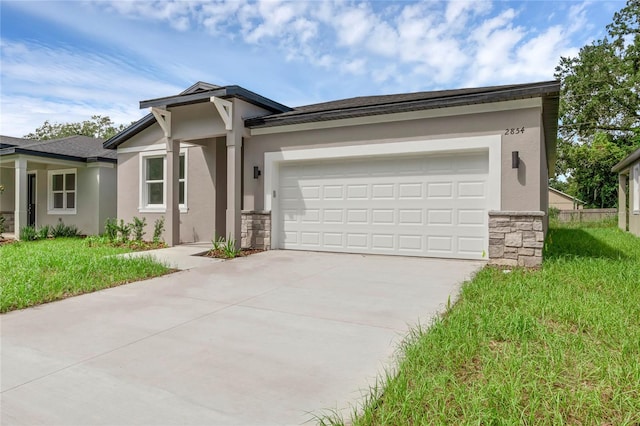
(600, 86)
(600, 109)
(97, 127)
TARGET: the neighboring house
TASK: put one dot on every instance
(418, 174)
(562, 201)
(629, 192)
(70, 180)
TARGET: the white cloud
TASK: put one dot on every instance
(42, 83)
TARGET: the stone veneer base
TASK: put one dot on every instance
(256, 229)
(516, 238)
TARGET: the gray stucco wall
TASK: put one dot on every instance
(198, 223)
(634, 219)
(7, 198)
(522, 189)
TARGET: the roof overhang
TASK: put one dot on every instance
(626, 162)
(52, 155)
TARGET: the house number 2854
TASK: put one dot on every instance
(514, 130)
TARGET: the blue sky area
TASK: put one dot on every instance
(66, 61)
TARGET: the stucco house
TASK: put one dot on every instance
(562, 201)
(70, 180)
(629, 192)
(451, 174)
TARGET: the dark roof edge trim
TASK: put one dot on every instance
(134, 129)
(224, 92)
(94, 159)
(526, 91)
(626, 161)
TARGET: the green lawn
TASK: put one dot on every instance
(42, 271)
(556, 346)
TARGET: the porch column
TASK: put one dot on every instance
(234, 167)
(20, 209)
(173, 186)
(622, 202)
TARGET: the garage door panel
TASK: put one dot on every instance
(422, 205)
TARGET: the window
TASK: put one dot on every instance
(636, 188)
(153, 178)
(62, 191)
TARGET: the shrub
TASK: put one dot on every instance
(2, 219)
(158, 229)
(138, 228)
(61, 230)
(226, 247)
(28, 233)
(43, 232)
(111, 229)
(554, 212)
(125, 231)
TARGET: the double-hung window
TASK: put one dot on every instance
(153, 192)
(62, 185)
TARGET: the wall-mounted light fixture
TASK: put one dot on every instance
(256, 172)
(515, 160)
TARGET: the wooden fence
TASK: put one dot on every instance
(586, 215)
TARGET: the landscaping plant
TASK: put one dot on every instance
(111, 229)
(124, 231)
(158, 229)
(138, 228)
(28, 233)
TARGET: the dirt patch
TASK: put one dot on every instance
(5, 241)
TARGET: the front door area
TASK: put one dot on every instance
(31, 199)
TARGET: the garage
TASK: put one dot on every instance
(430, 205)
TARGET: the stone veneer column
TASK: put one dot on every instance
(516, 238)
(256, 229)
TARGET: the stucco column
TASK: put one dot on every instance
(20, 209)
(234, 167)
(173, 186)
(622, 202)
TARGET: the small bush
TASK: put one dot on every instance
(227, 248)
(2, 219)
(158, 229)
(43, 232)
(124, 230)
(111, 229)
(138, 228)
(61, 231)
(28, 233)
(554, 212)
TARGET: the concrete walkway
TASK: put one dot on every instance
(267, 339)
(184, 256)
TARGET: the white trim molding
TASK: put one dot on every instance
(51, 209)
(273, 161)
(143, 207)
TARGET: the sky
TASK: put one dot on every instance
(65, 61)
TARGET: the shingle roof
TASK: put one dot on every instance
(385, 104)
(9, 141)
(75, 148)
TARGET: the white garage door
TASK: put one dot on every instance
(423, 205)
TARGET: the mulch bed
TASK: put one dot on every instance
(5, 241)
(219, 254)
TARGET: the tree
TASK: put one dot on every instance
(600, 87)
(600, 109)
(97, 127)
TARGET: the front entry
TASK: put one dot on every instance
(31, 199)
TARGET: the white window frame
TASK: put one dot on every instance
(50, 208)
(636, 188)
(143, 207)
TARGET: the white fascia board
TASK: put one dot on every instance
(402, 116)
(273, 160)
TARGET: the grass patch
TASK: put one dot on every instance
(555, 346)
(32, 273)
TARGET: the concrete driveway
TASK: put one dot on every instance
(266, 339)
